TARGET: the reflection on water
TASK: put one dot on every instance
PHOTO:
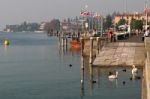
(34, 66)
(97, 83)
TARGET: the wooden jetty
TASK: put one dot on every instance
(121, 54)
(115, 53)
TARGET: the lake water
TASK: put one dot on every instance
(34, 66)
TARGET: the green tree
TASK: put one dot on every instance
(136, 24)
(108, 22)
(121, 22)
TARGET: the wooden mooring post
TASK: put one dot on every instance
(82, 61)
(82, 45)
(63, 40)
(91, 50)
(82, 67)
(82, 76)
(91, 78)
(98, 44)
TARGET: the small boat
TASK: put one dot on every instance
(75, 44)
(74, 49)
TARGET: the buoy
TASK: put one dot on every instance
(6, 42)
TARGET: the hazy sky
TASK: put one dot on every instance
(17, 11)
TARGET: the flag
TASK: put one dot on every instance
(84, 13)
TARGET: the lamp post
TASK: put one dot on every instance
(100, 17)
(86, 26)
(101, 26)
(146, 10)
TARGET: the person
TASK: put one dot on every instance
(110, 35)
(137, 32)
(146, 34)
(94, 32)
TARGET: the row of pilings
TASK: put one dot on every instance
(90, 47)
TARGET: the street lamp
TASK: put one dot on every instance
(100, 17)
(86, 25)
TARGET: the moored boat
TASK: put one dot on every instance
(75, 44)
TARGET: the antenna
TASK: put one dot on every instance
(145, 11)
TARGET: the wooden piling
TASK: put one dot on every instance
(62, 41)
(98, 44)
(91, 50)
(82, 71)
(65, 41)
(82, 45)
(91, 78)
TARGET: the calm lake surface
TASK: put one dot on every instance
(33, 66)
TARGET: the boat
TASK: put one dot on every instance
(75, 44)
(75, 49)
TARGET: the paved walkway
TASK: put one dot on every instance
(124, 52)
(121, 54)
(133, 38)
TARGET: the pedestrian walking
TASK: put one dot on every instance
(110, 35)
(147, 32)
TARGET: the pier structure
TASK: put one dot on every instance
(63, 41)
(121, 54)
(96, 42)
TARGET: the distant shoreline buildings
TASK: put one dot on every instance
(130, 16)
(77, 23)
(22, 27)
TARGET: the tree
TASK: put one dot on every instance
(53, 25)
(136, 24)
(121, 22)
(108, 22)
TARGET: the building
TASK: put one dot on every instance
(129, 16)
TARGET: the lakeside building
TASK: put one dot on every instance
(71, 25)
(42, 27)
(130, 16)
(22, 27)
